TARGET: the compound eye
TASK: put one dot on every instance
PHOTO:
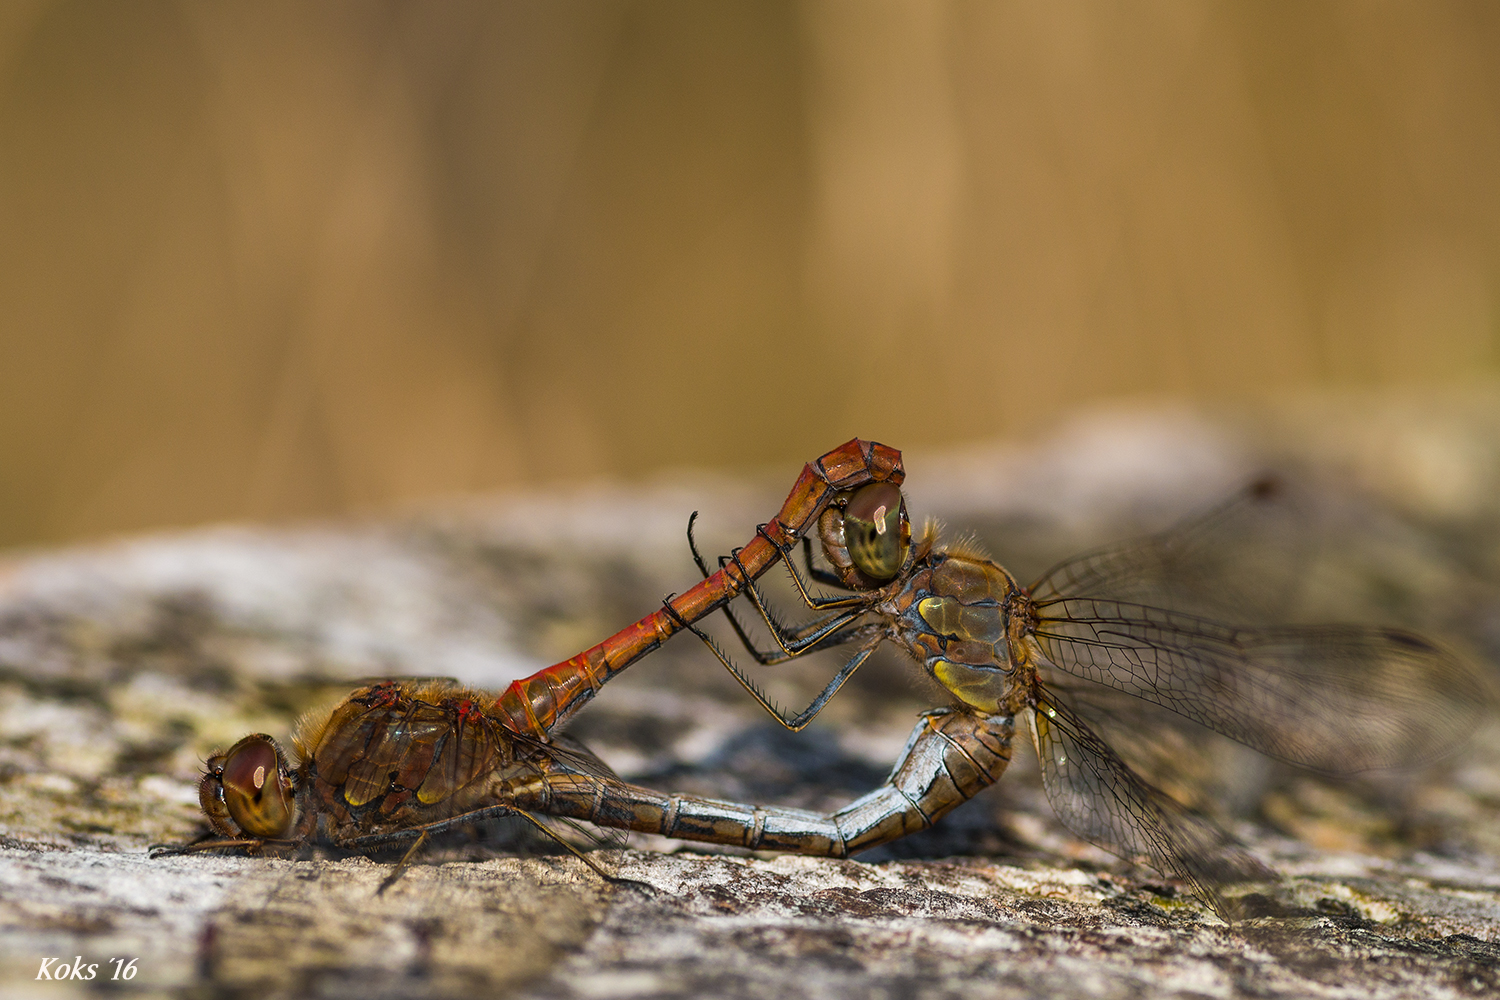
(257, 794)
(876, 530)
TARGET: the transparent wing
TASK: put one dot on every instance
(1098, 797)
(566, 760)
(1189, 763)
(1334, 698)
(566, 753)
(1211, 564)
(424, 746)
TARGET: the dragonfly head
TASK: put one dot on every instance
(867, 536)
(247, 791)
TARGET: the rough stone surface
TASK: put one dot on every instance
(123, 665)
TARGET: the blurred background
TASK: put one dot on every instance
(265, 261)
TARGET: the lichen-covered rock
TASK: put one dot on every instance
(122, 666)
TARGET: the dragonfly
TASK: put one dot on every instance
(1332, 698)
(396, 762)
(1057, 658)
(402, 760)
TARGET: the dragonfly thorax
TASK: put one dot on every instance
(955, 622)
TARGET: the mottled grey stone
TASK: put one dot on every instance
(123, 665)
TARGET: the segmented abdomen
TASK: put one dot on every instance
(950, 756)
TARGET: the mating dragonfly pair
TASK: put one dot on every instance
(397, 761)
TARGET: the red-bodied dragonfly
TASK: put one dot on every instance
(400, 760)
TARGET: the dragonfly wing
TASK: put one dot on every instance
(1190, 763)
(1220, 561)
(1334, 698)
(570, 754)
(565, 761)
(1097, 796)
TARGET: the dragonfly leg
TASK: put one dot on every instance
(401, 865)
(863, 600)
(734, 620)
(873, 635)
(214, 842)
(826, 634)
(826, 577)
(950, 756)
(805, 638)
(423, 833)
(817, 603)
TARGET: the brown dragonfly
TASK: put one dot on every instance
(1069, 648)
(398, 761)
(402, 760)
(1072, 647)
(1333, 698)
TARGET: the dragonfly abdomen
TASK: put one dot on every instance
(948, 759)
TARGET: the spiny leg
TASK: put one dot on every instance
(213, 842)
(734, 621)
(873, 634)
(205, 841)
(606, 876)
(815, 635)
(820, 634)
(423, 833)
(820, 603)
(791, 641)
(400, 868)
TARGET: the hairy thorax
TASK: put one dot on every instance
(965, 620)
